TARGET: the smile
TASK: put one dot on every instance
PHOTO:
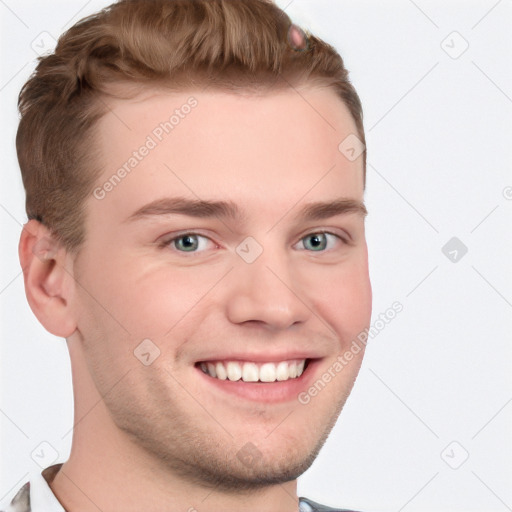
(248, 371)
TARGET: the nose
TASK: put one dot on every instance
(264, 292)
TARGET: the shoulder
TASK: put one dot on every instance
(307, 505)
(20, 502)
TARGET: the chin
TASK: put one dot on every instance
(251, 474)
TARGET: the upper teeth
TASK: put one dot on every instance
(254, 372)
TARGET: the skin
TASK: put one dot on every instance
(161, 437)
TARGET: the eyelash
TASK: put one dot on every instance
(167, 243)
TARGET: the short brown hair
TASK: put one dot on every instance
(227, 44)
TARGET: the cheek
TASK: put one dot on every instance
(150, 298)
(344, 299)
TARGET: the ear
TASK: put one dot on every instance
(48, 276)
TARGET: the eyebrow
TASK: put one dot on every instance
(229, 210)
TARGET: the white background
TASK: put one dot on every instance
(439, 132)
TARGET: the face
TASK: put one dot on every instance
(217, 294)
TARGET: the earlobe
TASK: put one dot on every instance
(48, 282)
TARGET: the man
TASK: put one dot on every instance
(195, 173)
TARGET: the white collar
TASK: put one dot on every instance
(42, 498)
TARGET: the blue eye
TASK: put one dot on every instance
(318, 241)
(189, 242)
(194, 242)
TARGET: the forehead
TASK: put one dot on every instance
(243, 147)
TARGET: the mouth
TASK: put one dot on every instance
(250, 371)
(262, 381)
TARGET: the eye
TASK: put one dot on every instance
(194, 242)
(187, 242)
(318, 242)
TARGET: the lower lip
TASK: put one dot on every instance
(268, 392)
